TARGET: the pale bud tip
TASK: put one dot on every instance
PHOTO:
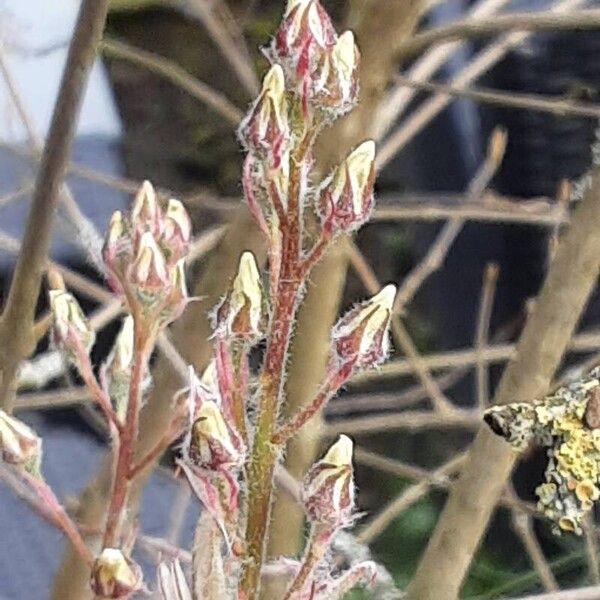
(340, 454)
(385, 298)
(344, 48)
(366, 152)
(274, 81)
(291, 5)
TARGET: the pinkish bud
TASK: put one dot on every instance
(334, 87)
(212, 445)
(177, 231)
(360, 338)
(346, 197)
(266, 128)
(114, 575)
(148, 272)
(305, 33)
(328, 488)
(242, 310)
(19, 444)
(71, 327)
(146, 214)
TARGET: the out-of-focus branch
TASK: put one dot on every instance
(175, 74)
(16, 326)
(560, 106)
(525, 21)
(569, 283)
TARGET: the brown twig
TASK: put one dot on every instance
(525, 21)
(17, 318)
(486, 304)
(569, 283)
(590, 536)
(480, 64)
(559, 106)
(172, 72)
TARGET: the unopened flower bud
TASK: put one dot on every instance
(114, 575)
(146, 214)
(334, 88)
(360, 338)
(212, 445)
(119, 365)
(328, 488)
(148, 272)
(70, 324)
(19, 444)
(266, 128)
(177, 231)
(304, 34)
(346, 198)
(242, 310)
(177, 298)
(115, 241)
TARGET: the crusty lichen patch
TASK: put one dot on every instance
(563, 422)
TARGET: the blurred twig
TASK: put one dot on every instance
(17, 319)
(523, 21)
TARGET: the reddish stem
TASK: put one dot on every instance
(329, 389)
(124, 462)
(56, 513)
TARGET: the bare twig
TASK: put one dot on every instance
(172, 72)
(525, 21)
(17, 320)
(591, 548)
(486, 303)
(560, 106)
(569, 283)
(483, 61)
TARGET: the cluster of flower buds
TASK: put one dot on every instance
(241, 315)
(345, 198)
(323, 67)
(145, 254)
(71, 330)
(115, 576)
(360, 337)
(19, 444)
(328, 488)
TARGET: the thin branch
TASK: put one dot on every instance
(399, 97)
(523, 527)
(17, 319)
(178, 76)
(524, 21)
(570, 281)
(480, 64)
(411, 495)
(486, 304)
(590, 536)
(237, 58)
(559, 106)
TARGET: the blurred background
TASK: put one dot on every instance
(467, 238)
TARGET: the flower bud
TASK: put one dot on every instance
(266, 128)
(360, 338)
(119, 366)
(148, 272)
(334, 87)
(177, 231)
(242, 310)
(146, 214)
(70, 324)
(328, 488)
(177, 298)
(19, 444)
(115, 241)
(114, 575)
(212, 445)
(304, 34)
(346, 196)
